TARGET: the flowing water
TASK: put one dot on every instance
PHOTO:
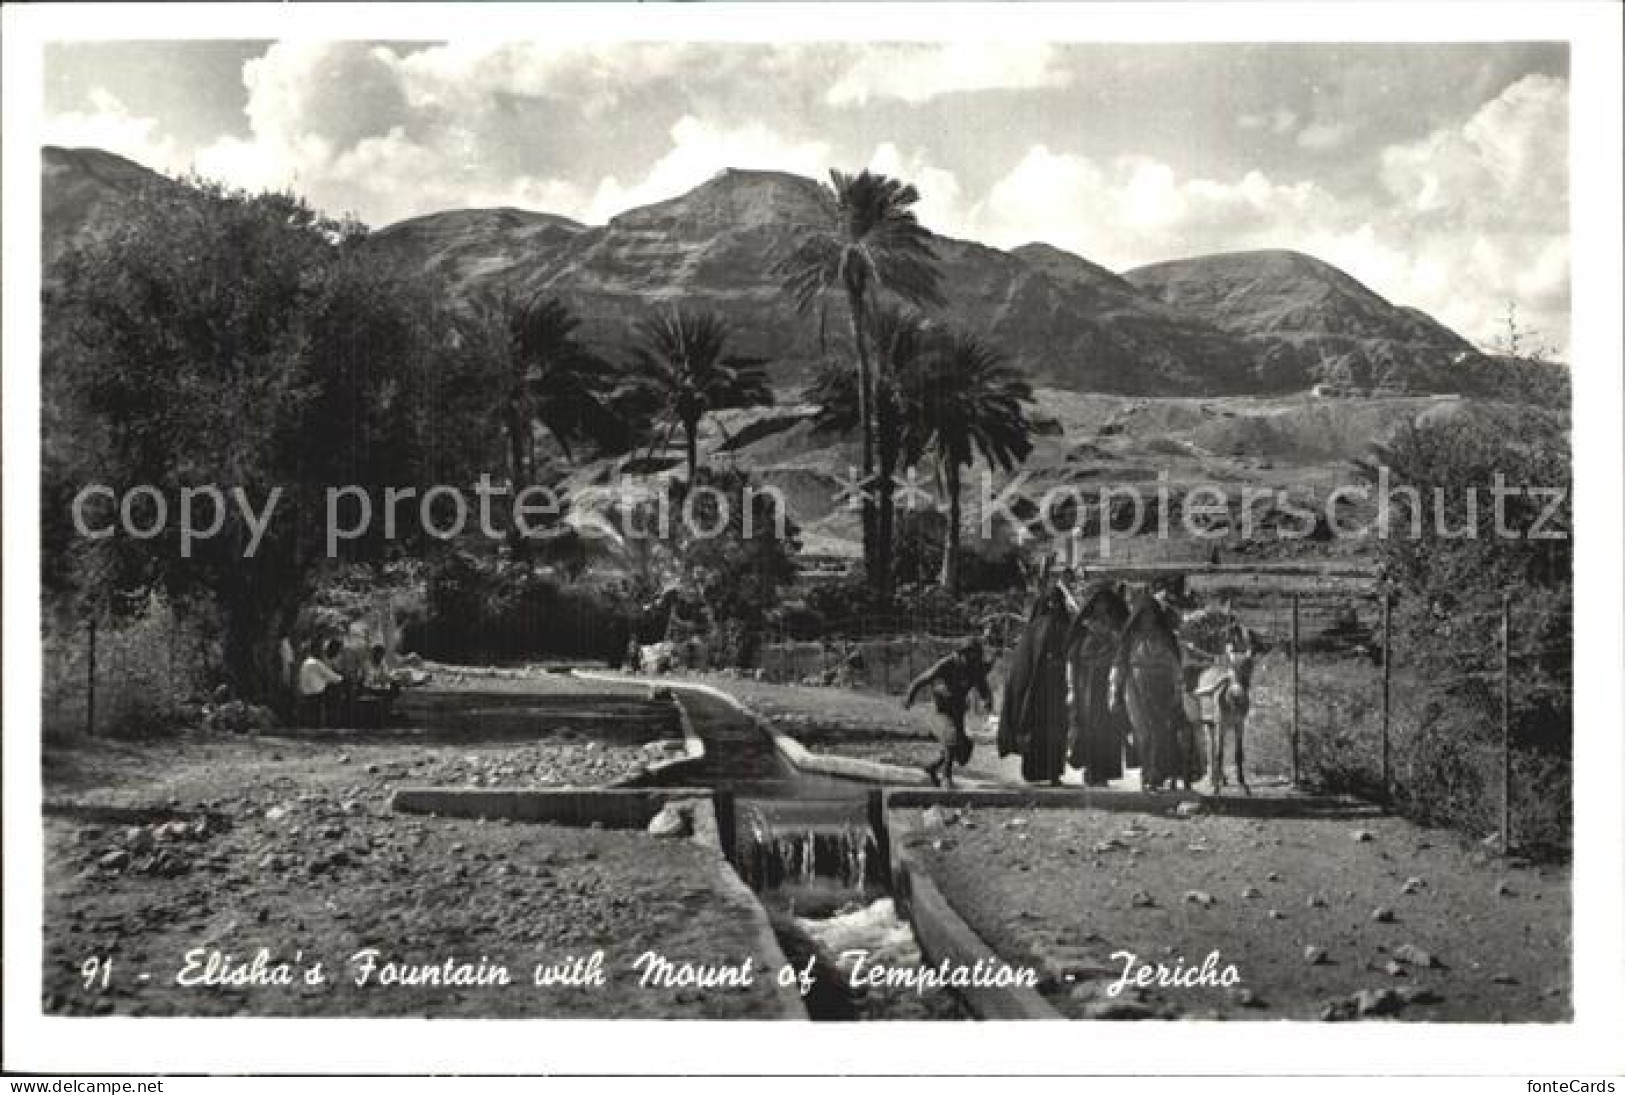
(805, 845)
(825, 887)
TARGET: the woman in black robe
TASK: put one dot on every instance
(1099, 730)
(1148, 677)
(1032, 717)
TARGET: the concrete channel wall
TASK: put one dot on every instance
(626, 808)
(795, 754)
(945, 935)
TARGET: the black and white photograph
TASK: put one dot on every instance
(847, 515)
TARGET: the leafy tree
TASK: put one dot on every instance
(871, 242)
(683, 372)
(964, 400)
(217, 338)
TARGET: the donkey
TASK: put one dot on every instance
(1225, 693)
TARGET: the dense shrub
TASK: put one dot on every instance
(1447, 624)
(494, 610)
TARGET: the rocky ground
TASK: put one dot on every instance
(287, 842)
(1331, 919)
(323, 880)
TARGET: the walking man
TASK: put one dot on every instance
(951, 681)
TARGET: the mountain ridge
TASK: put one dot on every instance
(1213, 324)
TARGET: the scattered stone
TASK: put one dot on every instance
(1273, 876)
(1108, 845)
(1242, 996)
(1383, 1001)
(1276, 914)
(671, 821)
(1504, 979)
(1315, 956)
(1362, 836)
(1382, 915)
(1317, 901)
(115, 860)
(276, 813)
(1142, 900)
(1412, 885)
(1189, 809)
(1504, 889)
(1117, 1010)
(1395, 969)
(344, 758)
(1413, 955)
(935, 817)
(1199, 897)
(1250, 892)
(1064, 964)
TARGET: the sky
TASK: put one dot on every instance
(1435, 174)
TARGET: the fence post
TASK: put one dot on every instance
(1506, 723)
(1294, 690)
(1387, 687)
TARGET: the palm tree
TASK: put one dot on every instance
(870, 242)
(900, 338)
(682, 372)
(965, 400)
(544, 372)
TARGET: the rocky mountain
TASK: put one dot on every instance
(1219, 324)
(470, 247)
(719, 246)
(1304, 317)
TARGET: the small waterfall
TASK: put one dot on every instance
(823, 880)
(841, 857)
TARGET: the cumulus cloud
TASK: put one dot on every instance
(110, 126)
(1470, 216)
(1132, 210)
(917, 73)
(1488, 200)
(943, 205)
(700, 150)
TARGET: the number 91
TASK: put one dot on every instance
(97, 972)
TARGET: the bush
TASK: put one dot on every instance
(492, 610)
(1447, 621)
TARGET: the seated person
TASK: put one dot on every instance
(319, 686)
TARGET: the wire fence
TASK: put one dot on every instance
(1338, 703)
(125, 676)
